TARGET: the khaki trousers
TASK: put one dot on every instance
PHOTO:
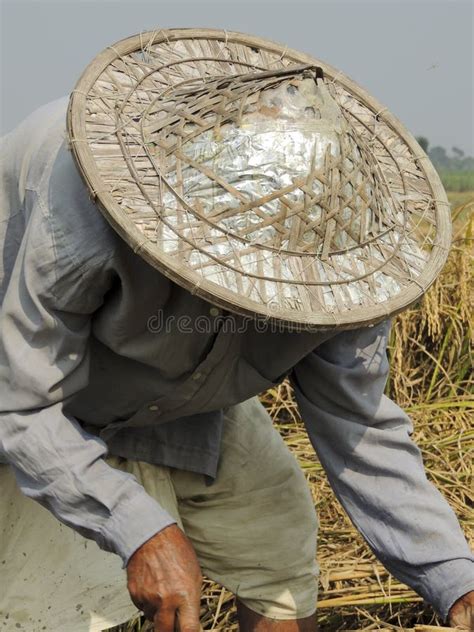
(253, 529)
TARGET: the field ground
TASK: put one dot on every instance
(430, 379)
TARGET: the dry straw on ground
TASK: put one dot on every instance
(430, 377)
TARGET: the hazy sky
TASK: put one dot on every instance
(416, 57)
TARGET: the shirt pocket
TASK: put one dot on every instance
(175, 402)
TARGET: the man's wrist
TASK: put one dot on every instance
(447, 582)
(133, 522)
(461, 614)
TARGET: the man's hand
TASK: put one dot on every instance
(164, 580)
(461, 614)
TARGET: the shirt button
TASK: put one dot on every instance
(197, 375)
(153, 407)
(214, 311)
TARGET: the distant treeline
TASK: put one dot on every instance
(455, 168)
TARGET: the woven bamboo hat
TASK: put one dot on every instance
(259, 178)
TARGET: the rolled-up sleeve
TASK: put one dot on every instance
(362, 439)
(45, 324)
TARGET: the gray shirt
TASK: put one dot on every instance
(99, 351)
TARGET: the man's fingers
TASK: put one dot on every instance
(164, 577)
(188, 618)
(164, 620)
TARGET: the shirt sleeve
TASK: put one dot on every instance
(45, 324)
(362, 439)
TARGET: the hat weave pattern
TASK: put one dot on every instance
(257, 180)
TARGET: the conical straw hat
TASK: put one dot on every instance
(259, 178)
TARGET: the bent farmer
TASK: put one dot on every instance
(207, 214)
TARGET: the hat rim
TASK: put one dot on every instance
(209, 290)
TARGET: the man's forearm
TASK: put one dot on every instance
(379, 478)
(56, 463)
(363, 441)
